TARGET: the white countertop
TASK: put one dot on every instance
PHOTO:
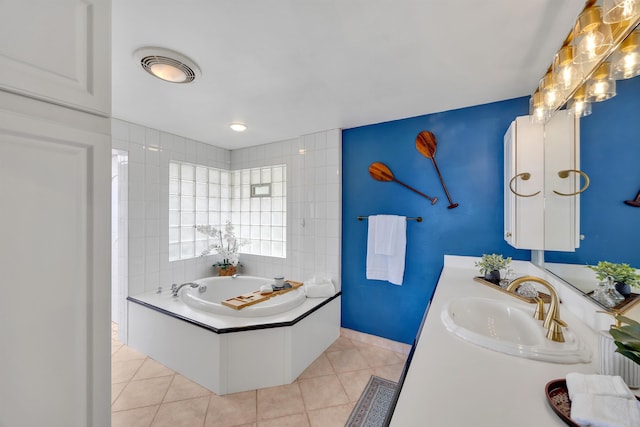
(451, 382)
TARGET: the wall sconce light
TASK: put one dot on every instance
(619, 10)
(549, 89)
(578, 106)
(567, 74)
(626, 60)
(591, 37)
(601, 86)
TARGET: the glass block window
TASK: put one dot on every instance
(209, 196)
(260, 218)
(197, 195)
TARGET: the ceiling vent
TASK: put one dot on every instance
(167, 65)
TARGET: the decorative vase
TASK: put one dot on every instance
(612, 363)
(493, 277)
(623, 288)
(227, 270)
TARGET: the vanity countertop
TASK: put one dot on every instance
(451, 382)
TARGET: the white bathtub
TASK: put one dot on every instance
(213, 290)
(234, 351)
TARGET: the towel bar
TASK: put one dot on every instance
(418, 218)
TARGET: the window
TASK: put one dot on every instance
(209, 196)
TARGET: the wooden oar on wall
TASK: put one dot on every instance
(380, 172)
(426, 145)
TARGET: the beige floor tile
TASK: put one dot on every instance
(335, 416)
(354, 382)
(152, 369)
(347, 360)
(403, 357)
(378, 356)
(138, 417)
(296, 420)
(142, 393)
(182, 388)
(231, 409)
(389, 372)
(341, 343)
(276, 402)
(321, 366)
(123, 371)
(127, 353)
(322, 392)
(115, 346)
(185, 413)
(116, 389)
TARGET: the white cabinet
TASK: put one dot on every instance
(58, 51)
(524, 184)
(55, 181)
(541, 164)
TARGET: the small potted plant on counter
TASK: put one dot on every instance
(623, 275)
(227, 245)
(490, 266)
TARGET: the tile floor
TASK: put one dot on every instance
(145, 393)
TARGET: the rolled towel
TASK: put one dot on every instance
(601, 385)
(604, 411)
(266, 289)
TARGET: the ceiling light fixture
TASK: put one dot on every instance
(238, 127)
(619, 10)
(567, 73)
(601, 86)
(537, 110)
(167, 65)
(578, 106)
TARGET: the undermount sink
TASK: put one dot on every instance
(506, 328)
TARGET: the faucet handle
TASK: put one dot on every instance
(174, 287)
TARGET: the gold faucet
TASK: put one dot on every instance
(552, 322)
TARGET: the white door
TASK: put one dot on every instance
(54, 274)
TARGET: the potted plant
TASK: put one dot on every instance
(623, 275)
(490, 266)
(620, 351)
(227, 245)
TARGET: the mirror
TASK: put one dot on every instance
(609, 152)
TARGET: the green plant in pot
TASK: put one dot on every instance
(627, 337)
(490, 266)
(622, 274)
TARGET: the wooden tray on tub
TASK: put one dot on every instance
(255, 297)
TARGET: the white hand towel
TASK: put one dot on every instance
(319, 287)
(604, 411)
(381, 266)
(601, 385)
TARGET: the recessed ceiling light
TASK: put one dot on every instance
(167, 65)
(238, 127)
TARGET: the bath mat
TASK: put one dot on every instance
(372, 407)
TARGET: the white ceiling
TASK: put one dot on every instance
(292, 67)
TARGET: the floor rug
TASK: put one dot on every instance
(372, 407)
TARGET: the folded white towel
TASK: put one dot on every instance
(382, 266)
(604, 411)
(601, 385)
(324, 290)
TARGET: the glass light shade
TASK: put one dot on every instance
(537, 111)
(578, 106)
(614, 11)
(551, 93)
(626, 60)
(601, 86)
(591, 37)
(567, 74)
(168, 72)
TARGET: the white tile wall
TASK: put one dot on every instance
(313, 204)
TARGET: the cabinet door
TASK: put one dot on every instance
(524, 183)
(55, 257)
(57, 51)
(562, 212)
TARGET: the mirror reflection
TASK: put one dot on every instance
(610, 154)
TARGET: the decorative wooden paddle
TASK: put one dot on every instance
(380, 172)
(426, 145)
(635, 202)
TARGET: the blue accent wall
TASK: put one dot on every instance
(610, 155)
(470, 157)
